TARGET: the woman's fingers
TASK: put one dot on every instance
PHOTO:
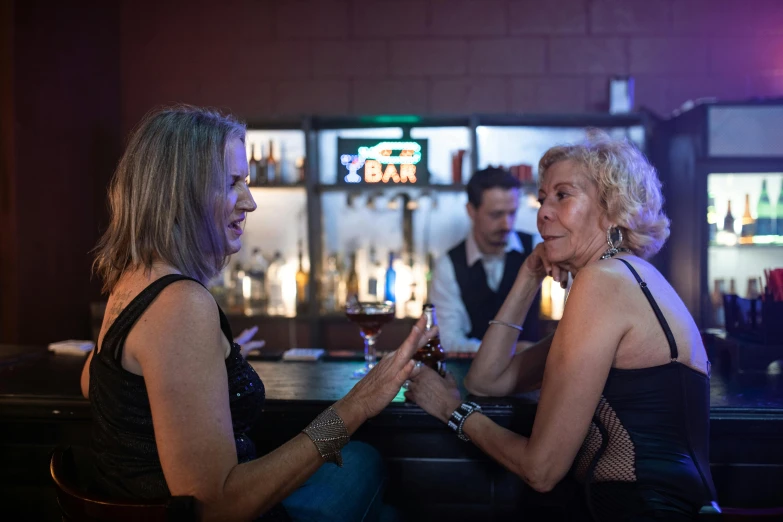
(246, 335)
(411, 344)
(429, 334)
(415, 370)
(253, 345)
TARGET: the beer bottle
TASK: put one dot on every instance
(764, 213)
(779, 214)
(748, 224)
(431, 354)
(728, 221)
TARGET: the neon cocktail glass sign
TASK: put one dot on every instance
(382, 162)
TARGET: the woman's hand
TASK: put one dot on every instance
(538, 266)
(376, 389)
(436, 395)
(245, 342)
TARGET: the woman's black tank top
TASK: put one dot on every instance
(646, 455)
(123, 439)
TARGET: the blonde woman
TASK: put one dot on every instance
(172, 397)
(624, 381)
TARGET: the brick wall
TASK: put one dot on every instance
(264, 58)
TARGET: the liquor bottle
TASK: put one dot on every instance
(240, 286)
(753, 288)
(764, 225)
(411, 306)
(257, 270)
(375, 270)
(282, 169)
(261, 167)
(272, 167)
(748, 224)
(330, 286)
(352, 282)
(252, 167)
(717, 302)
(300, 169)
(275, 285)
(712, 216)
(342, 282)
(301, 284)
(779, 214)
(431, 354)
(728, 221)
(389, 293)
(428, 276)
(732, 287)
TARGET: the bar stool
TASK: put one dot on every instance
(80, 506)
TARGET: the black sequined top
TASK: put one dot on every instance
(123, 438)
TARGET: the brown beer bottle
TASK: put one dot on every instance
(431, 354)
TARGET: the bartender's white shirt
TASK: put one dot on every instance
(453, 318)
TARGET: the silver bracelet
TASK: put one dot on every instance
(329, 434)
(504, 323)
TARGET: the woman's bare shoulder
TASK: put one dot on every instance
(183, 319)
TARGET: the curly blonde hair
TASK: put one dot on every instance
(629, 190)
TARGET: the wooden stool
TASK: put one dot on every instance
(79, 506)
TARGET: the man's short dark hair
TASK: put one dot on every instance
(489, 178)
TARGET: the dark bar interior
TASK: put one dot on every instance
(365, 123)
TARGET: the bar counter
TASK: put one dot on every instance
(431, 472)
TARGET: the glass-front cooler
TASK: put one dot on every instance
(745, 235)
(722, 169)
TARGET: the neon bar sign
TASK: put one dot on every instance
(382, 162)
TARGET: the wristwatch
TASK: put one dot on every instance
(457, 419)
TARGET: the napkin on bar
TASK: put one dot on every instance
(71, 347)
(303, 354)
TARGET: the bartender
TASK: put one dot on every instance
(473, 279)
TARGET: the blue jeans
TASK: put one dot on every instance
(352, 493)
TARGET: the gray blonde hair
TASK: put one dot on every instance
(166, 196)
(629, 190)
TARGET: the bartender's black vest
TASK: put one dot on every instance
(481, 302)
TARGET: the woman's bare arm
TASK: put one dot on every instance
(497, 367)
(180, 348)
(579, 361)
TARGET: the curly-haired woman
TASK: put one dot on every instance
(624, 381)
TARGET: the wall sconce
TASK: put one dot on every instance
(620, 94)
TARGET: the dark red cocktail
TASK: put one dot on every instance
(370, 317)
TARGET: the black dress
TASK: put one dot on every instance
(123, 439)
(646, 455)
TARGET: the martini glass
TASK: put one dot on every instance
(370, 317)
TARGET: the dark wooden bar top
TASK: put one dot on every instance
(35, 383)
(41, 407)
(32, 377)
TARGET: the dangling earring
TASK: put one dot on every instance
(614, 238)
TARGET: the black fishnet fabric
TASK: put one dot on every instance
(617, 462)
